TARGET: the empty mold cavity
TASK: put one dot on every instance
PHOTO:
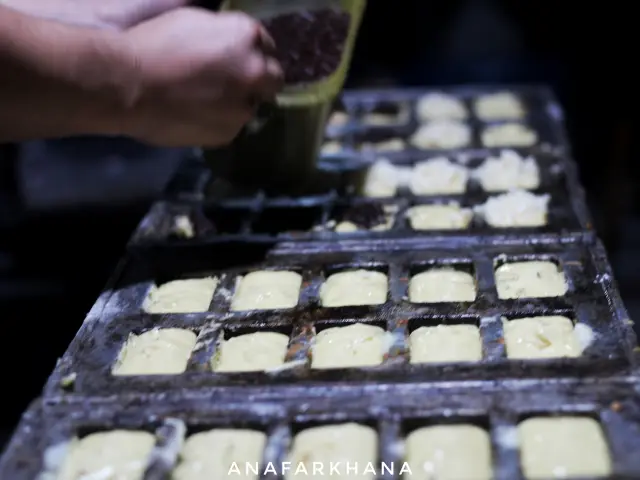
(452, 449)
(227, 220)
(506, 171)
(161, 351)
(439, 216)
(530, 279)
(545, 336)
(517, 208)
(499, 106)
(563, 447)
(349, 346)
(267, 290)
(442, 283)
(438, 106)
(442, 135)
(438, 176)
(214, 453)
(118, 453)
(251, 349)
(315, 449)
(190, 295)
(509, 135)
(276, 220)
(354, 287)
(450, 341)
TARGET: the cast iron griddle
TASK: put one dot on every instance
(236, 233)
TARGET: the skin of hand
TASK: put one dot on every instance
(198, 76)
(106, 14)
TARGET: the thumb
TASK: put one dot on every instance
(128, 13)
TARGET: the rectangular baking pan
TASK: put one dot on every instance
(592, 299)
(393, 410)
(232, 215)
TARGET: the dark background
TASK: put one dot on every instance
(67, 207)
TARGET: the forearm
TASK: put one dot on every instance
(58, 80)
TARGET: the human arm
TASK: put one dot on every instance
(59, 80)
(111, 14)
(183, 78)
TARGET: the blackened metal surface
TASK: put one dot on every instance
(392, 410)
(592, 300)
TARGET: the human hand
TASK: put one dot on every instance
(106, 14)
(199, 76)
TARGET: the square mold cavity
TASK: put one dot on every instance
(227, 220)
(353, 444)
(250, 349)
(442, 282)
(450, 448)
(282, 220)
(159, 351)
(545, 336)
(530, 278)
(349, 286)
(567, 446)
(213, 453)
(272, 289)
(445, 340)
(349, 344)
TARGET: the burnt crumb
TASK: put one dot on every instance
(310, 43)
(365, 215)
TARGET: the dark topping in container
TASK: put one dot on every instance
(310, 43)
(365, 215)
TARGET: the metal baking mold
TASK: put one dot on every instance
(392, 410)
(592, 300)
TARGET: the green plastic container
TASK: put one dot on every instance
(278, 152)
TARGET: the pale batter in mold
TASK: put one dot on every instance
(508, 171)
(161, 351)
(181, 296)
(329, 148)
(448, 216)
(338, 119)
(391, 145)
(267, 290)
(438, 176)
(377, 119)
(116, 454)
(436, 106)
(442, 285)
(541, 337)
(509, 135)
(211, 455)
(252, 352)
(534, 279)
(383, 179)
(339, 445)
(354, 287)
(183, 227)
(442, 135)
(563, 447)
(517, 208)
(449, 452)
(445, 343)
(357, 345)
(499, 106)
(350, 227)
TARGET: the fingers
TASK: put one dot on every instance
(264, 42)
